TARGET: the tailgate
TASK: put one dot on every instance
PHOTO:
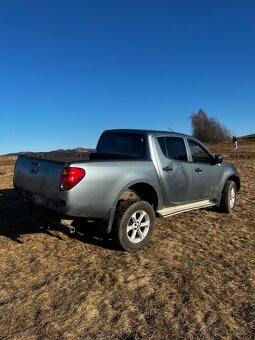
(38, 176)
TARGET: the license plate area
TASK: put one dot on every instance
(39, 200)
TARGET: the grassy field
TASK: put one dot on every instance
(195, 280)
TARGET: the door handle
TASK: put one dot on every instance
(167, 168)
(198, 170)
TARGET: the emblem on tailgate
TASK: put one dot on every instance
(35, 167)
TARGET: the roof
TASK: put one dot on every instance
(148, 132)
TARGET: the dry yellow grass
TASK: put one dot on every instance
(195, 280)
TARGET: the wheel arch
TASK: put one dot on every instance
(146, 192)
(135, 190)
(142, 190)
(236, 180)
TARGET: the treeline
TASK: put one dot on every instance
(208, 130)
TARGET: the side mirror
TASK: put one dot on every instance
(218, 159)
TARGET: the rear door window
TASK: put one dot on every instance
(173, 147)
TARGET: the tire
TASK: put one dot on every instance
(228, 197)
(134, 225)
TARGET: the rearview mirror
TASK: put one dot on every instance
(218, 159)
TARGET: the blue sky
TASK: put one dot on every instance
(71, 69)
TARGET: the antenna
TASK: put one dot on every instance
(170, 129)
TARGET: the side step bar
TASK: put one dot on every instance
(184, 207)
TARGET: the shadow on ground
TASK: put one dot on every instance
(15, 221)
(14, 217)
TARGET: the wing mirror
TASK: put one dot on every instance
(218, 159)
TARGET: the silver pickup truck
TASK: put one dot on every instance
(133, 177)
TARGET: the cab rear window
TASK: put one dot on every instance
(124, 144)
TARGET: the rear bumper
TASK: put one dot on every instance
(66, 222)
(60, 209)
(39, 201)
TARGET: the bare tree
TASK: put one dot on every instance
(207, 129)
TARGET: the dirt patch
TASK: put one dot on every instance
(196, 279)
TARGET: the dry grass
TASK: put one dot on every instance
(195, 280)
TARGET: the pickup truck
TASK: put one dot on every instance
(133, 177)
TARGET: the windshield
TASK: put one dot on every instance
(131, 145)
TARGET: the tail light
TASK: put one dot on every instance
(70, 177)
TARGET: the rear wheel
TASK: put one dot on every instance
(228, 197)
(134, 225)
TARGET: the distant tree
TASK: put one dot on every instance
(208, 130)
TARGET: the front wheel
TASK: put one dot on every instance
(228, 197)
(135, 222)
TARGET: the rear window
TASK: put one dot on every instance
(126, 144)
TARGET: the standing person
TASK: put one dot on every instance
(234, 139)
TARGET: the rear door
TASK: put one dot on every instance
(176, 173)
(207, 174)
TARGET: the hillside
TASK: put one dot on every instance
(246, 148)
(248, 136)
(57, 152)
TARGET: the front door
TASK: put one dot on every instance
(207, 174)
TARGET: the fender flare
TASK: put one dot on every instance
(114, 207)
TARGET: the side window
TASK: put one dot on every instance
(173, 147)
(199, 154)
(162, 144)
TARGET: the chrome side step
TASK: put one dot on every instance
(184, 207)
